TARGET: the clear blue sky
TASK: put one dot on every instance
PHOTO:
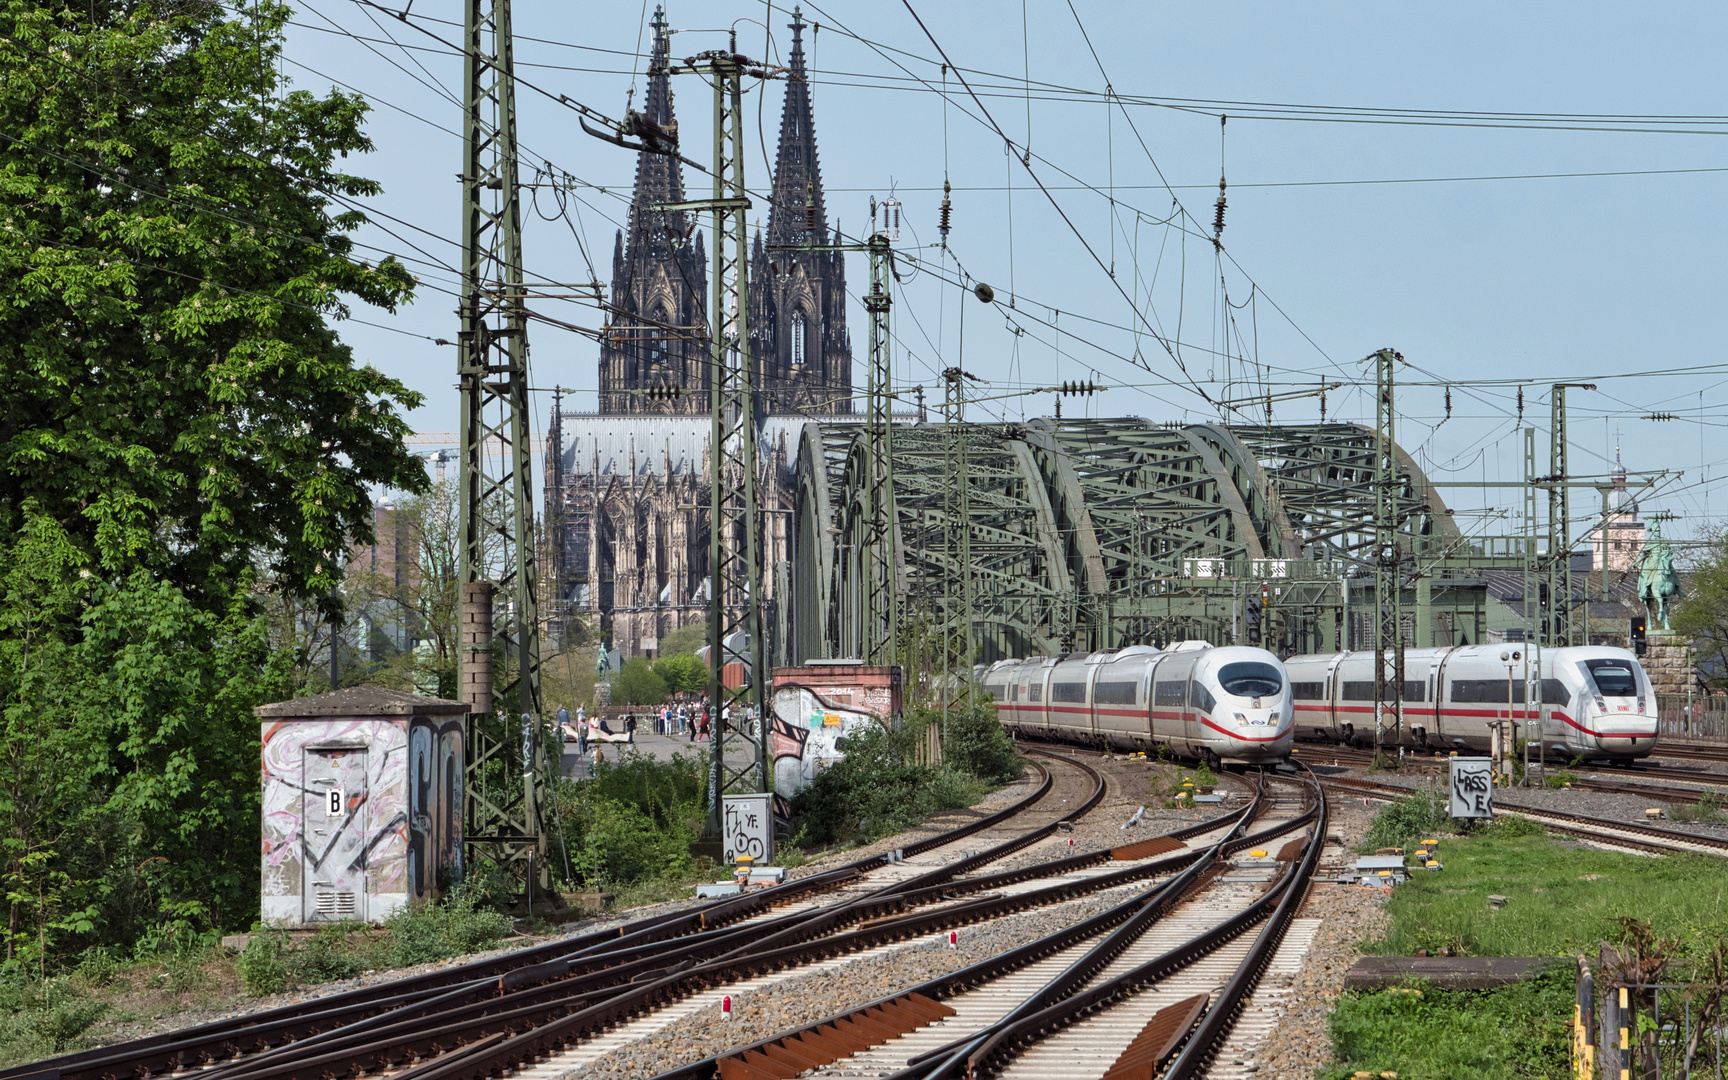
(1475, 282)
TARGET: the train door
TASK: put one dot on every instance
(333, 834)
(1331, 690)
(1171, 709)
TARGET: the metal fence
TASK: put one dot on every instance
(1654, 1031)
(1699, 719)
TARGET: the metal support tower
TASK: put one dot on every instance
(497, 511)
(1560, 518)
(957, 626)
(879, 615)
(882, 627)
(1388, 621)
(735, 523)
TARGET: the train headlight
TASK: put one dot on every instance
(1274, 717)
(1240, 719)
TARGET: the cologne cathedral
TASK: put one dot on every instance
(627, 488)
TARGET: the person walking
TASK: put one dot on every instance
(630, 729)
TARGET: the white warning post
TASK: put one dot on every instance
(747, 829)
(1472, 787)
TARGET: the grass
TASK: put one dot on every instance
(1708, 808)
(1561, 899)
(1421, 1033)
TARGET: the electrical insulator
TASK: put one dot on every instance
(1520, 406)
(1448, 403)
(665, 393)
(891, 218)
(947, 213)
(1079, 389)
(1218, 213)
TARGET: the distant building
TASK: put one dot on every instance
(627, 488)
(1616, 543)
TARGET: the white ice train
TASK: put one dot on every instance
(1226, 705)
(1596, 702)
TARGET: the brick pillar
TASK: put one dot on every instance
(477, 634)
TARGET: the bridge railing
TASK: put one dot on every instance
(1702, 720)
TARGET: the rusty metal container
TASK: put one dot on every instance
(363, 797)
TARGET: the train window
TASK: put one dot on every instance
(1554, 692)
(1248, 678)
(998, 692)
(1068, 691)
(1035, 692)
(1308, 691)
(1202, 697)
(1168, 694)
(1414, 690)
(1613, 678)
(1486, 691)
(1114, 693)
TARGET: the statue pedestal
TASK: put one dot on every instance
(602, 695)
(1665, 660)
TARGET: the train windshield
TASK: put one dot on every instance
(1246, 678)
(1613, 678)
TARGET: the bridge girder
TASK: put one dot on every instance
(1085, 533)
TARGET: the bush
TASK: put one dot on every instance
(262, 966)
(1408, 820)
(975, 743)
(634, 821)
(875, 790)
(463, 922)
(40, 1019)
(1429, 1034)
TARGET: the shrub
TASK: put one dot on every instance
(875, 790)
(40, 1019)
(634, 821)
(261, 964)
(975, 743)
(1407, 820)
(463, 922)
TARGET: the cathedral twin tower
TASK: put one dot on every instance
(627, 487)
(798, 338)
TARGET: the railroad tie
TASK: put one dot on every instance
(1158, 1039)
(1145, 849)
(843, 1036)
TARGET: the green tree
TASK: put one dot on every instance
(1702, 617)
(685, 639)
(184, 428)
(637, 684)
(684, 673)
(173, 251)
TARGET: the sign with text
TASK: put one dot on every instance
(747, 829)
(1472, 787)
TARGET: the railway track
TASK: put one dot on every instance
(1625, 835)
(1700, 783)
(520, 1009)
(1181, 961)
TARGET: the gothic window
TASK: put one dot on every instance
(657, 343)
(798, 356)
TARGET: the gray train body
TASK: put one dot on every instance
(1597, 702)
(1228, 705)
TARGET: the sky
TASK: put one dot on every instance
(1348, 228)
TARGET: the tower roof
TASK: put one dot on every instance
(797, 173)
(659, 178)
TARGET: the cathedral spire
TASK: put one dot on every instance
(658, 178)
(797, 214)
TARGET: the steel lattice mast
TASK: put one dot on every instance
(882, 611)
(497, 508)
(1388, 611)
(735, 522)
